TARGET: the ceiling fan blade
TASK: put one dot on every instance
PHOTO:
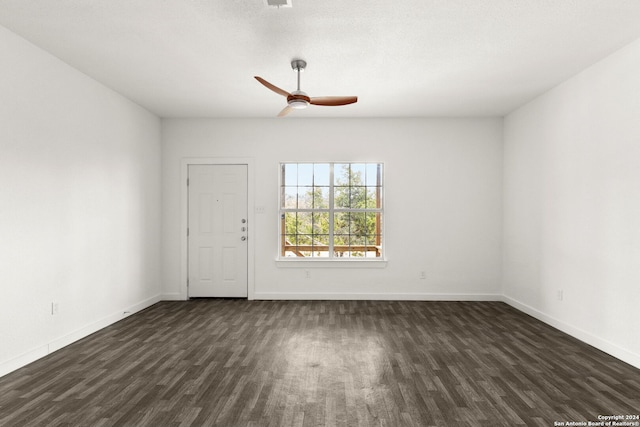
(333, 100)
(286, 110)
(274, 88)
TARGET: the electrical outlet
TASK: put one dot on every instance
(307, 274)
(54, 308)
(560, 295)
(423, 274)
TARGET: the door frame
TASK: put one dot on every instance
(184, 216)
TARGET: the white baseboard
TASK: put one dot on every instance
(63, 341)
(374, 296)
(584, 336)
(174, 296)
(23, 360)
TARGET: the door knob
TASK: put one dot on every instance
(243, 220)
(243, 238)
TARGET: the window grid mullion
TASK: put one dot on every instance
(331, 210)
(372, 210)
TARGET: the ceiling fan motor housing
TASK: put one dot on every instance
(298, 100)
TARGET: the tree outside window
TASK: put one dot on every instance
(331, 210)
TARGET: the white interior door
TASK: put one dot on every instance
(217, 233)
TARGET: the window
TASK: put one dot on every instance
(331, 210)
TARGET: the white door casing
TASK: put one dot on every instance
(217, 231)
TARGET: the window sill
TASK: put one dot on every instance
(330, 263)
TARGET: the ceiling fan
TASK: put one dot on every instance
(298, 100)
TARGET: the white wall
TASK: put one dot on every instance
(443, 201)
(572, 205)
(79, 204)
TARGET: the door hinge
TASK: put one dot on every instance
(187, 231)
(187, 182)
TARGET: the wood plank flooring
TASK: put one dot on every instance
(321, 363)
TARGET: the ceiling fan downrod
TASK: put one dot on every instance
(298, 65)
(298, 99)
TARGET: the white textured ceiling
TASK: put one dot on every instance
(403, 58)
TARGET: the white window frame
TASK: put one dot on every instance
(285, 261)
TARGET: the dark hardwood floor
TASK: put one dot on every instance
(321, 363)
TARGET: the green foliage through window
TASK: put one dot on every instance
(331, 210)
